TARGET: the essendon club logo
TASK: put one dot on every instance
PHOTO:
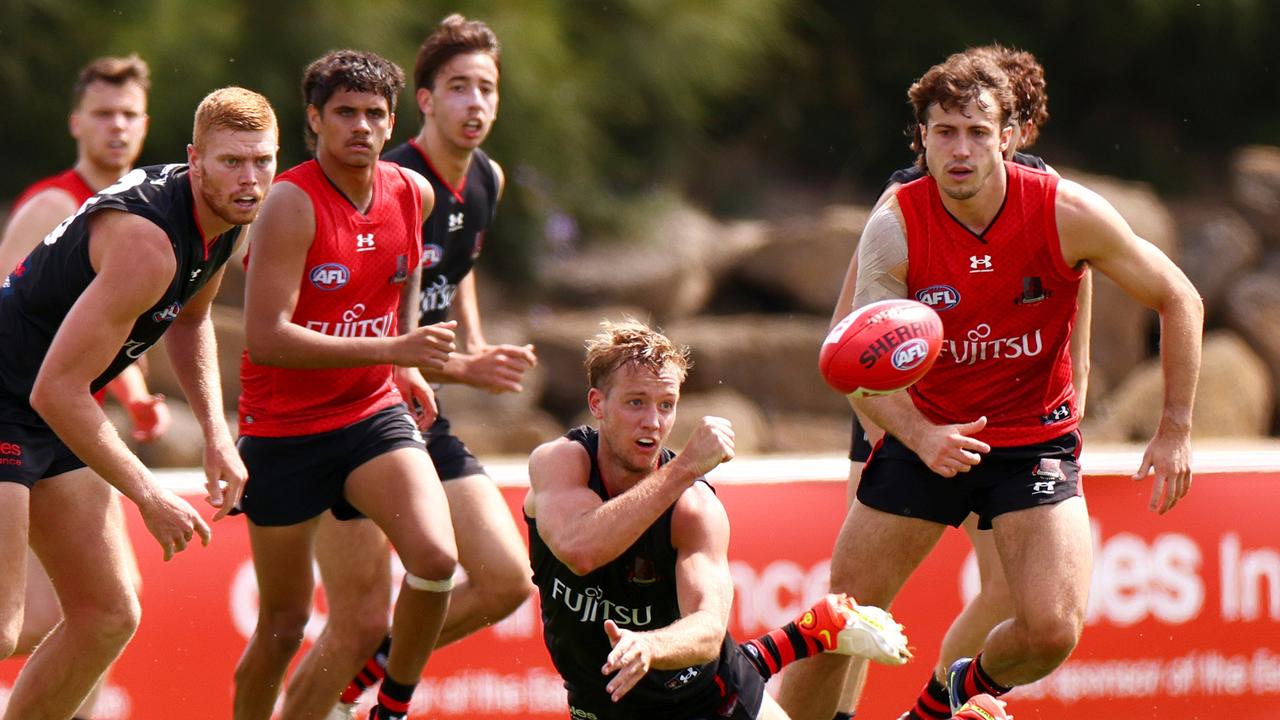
(329, 276)
(432, 254)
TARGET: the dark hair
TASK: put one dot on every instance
(352, 70)
(455, 36)
(1026, 77)
(112, 70)
(954, 83)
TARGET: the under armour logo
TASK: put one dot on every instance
(364, 242)
(196, 273)
(1043, 487)
(455, 221)
(979, 264)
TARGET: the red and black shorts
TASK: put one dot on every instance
(293, 479)
(29, 453)
(897, 481)
(449, 454)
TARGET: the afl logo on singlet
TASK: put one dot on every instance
(329, 276)
(939, 297)
(432, 254)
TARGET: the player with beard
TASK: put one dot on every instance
(109, 123)
(333, 277)
(995, 431)
(140, 259)
(456, 75)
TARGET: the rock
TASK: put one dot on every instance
(808, 433)
(772, 359)
(1255, 185)
(1253, 310)
(750, 430)
(504, 432)
(671, 275)
(1218, 245)
(1233, 399)
(1124, 328)
(805, 258)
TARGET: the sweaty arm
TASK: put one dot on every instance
(282, 236)
(134, 263)
(582, 530)
(704, 590)
(1092, 231)
(27, 227)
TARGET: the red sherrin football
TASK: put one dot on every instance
(881, 348)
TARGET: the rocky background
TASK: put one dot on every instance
(753, 300)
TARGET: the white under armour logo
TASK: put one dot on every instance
(979, 264)
(364, 242)
(1042, 487)
(455, 221)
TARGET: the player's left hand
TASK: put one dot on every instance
(500, 368)
(224, 474)
(1168, 455)
(418, 395)
(149, 416)
(630, 660)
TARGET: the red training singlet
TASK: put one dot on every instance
(1007, 300)
(70, 182)
(355, 270)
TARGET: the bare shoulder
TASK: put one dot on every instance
(882, 256)
(51, 204)
(119, 234)
(287, 213)
(424, 187)
(556, 459)
(502, 177)
(699, 515)
(1088, 225)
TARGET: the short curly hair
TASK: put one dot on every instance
(631, 342)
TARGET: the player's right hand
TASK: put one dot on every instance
(711, 444)
(173, 522)
(949, 450)
(426, 347)
(500, 368)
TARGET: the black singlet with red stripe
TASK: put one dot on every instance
(638, 592)
(453, 235)
(36, 297)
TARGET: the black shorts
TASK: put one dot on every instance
(449, 454)
(32, 452)
(740, 695)
(860, 444)
(897, 481)
(293, 479)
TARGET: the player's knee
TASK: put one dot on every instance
(109, 625)
(503, 593)
(282, 629)
(432, 562)
(1051, 642)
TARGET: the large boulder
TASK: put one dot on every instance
(1253, 310)
(1123, 329)
(1233, 398)
(560, 339)
(1218, 246)
(515, 431)
(671, 274)
(772, 359)
(1255, 185)
(805, 258)
(750, 430)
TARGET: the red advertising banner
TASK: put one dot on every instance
(1183, 622)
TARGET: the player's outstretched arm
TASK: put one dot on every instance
(700, 535)
(281, 237)
(134, 263)
(1092, 231)
(585, 532)
(193, 352)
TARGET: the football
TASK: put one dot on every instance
(881, 348)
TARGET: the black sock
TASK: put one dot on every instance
(373, 670)
(845, 715)
(933, 703)
(393, 698)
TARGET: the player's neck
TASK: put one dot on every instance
(96, 176)
(978, 212)
(355, 183)
(616, 476)
(450, 161)
(210, 224)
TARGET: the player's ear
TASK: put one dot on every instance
(595, 402)
(313, 118)
(424, 98)
(73, 124)
(193, 159)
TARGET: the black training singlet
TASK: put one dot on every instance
(452, 236)
(915, 172)
(36, 297)
(638, 592)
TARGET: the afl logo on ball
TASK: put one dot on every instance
(910, 354)
(939, 297)
(329, 276)
(432, 254)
